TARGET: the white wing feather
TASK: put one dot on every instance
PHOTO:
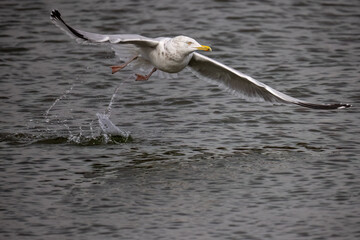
(244, 85)
(138, 40)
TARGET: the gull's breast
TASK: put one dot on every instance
(167, 61)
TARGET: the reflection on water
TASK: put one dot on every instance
(200, 163)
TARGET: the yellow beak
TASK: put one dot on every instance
(204, 48)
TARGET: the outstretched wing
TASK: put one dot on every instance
(135, 39)
(246, 86)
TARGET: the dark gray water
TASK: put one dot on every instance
(200, 163)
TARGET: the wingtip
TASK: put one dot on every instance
(344, 105)
(55, 14)
(325, 106)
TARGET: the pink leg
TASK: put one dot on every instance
(118, 68)
(146, 77)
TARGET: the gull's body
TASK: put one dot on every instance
(164, 56)
(172, 55)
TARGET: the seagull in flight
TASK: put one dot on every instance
(172, 55)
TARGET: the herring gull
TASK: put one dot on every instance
(172, 55)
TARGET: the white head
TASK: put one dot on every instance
(186, 45)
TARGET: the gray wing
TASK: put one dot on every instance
(135, 39)
(244, 85)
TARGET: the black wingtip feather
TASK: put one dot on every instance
(325, 106)
(55, 15)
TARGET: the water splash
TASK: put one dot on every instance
(56, 101)
(107, 126)
(106, 133)
(108, 109)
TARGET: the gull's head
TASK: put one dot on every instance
(188, 45)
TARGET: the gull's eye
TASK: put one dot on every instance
(189, 43)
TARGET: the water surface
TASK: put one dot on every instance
(200, 163)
